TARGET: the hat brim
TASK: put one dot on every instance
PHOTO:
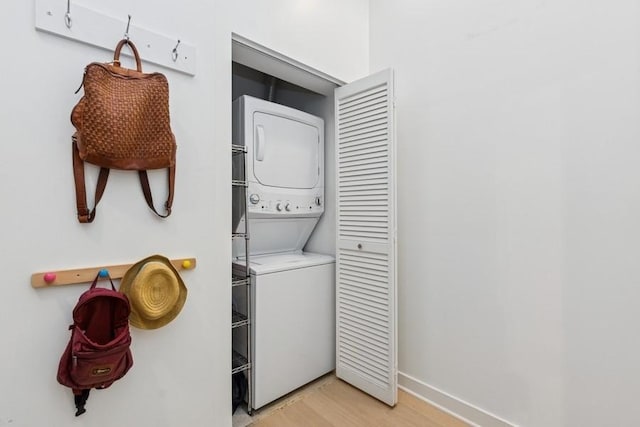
(136, 318)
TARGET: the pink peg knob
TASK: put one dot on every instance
(49, 277)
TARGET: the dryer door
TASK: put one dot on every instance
(286, 152)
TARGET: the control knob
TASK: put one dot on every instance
(287, 207)
(254, 199)
(279, 207)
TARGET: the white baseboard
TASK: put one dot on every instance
(450, 404)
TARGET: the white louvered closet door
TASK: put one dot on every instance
(366, 250)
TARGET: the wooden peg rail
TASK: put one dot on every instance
(86, 275)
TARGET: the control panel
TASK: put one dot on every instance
(286, 204)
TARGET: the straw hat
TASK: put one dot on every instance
(156, 292)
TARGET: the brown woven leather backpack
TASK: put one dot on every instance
(122, 122)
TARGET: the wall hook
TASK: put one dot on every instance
(174, 52)
(67, 16)
(126, 32)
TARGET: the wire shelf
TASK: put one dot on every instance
(238, 319)
(238, 149)
(241, 323)
(239, 280)
(239, 363)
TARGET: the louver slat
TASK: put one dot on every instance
(365, 340)
(365, 263)
(368, 110)
(370, 168)
(364, 313)
(349, 176)
(374, 360)
(371, 156)
(365, 197)
(365, 278)
(364, 123)
(372, 340)
(381, 334)
(363, 270)
(378, 114)
(367, 372)
(369, 190)
(357, 278)
(349, 216)
(365, 130)
(371, 301)
(370, 137)
(365, 160)
(379, 201)
(360, 182)
(366, 98)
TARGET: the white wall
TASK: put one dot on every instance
(328, 35)
(181, 372)
(518, 203)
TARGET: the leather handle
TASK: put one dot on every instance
(136, 55)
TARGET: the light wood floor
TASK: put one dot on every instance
(334, 403)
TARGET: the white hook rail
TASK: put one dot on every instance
(98, 29)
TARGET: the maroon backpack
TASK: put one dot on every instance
(98, 352)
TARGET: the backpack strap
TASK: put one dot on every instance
(80, 397)
(146, 189)
(95, 281)
(84, 215)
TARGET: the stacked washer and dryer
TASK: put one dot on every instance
(293, 298)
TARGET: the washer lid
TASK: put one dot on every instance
(286, 152)
(265, 264)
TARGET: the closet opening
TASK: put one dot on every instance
(290, 209)
(292, 308)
